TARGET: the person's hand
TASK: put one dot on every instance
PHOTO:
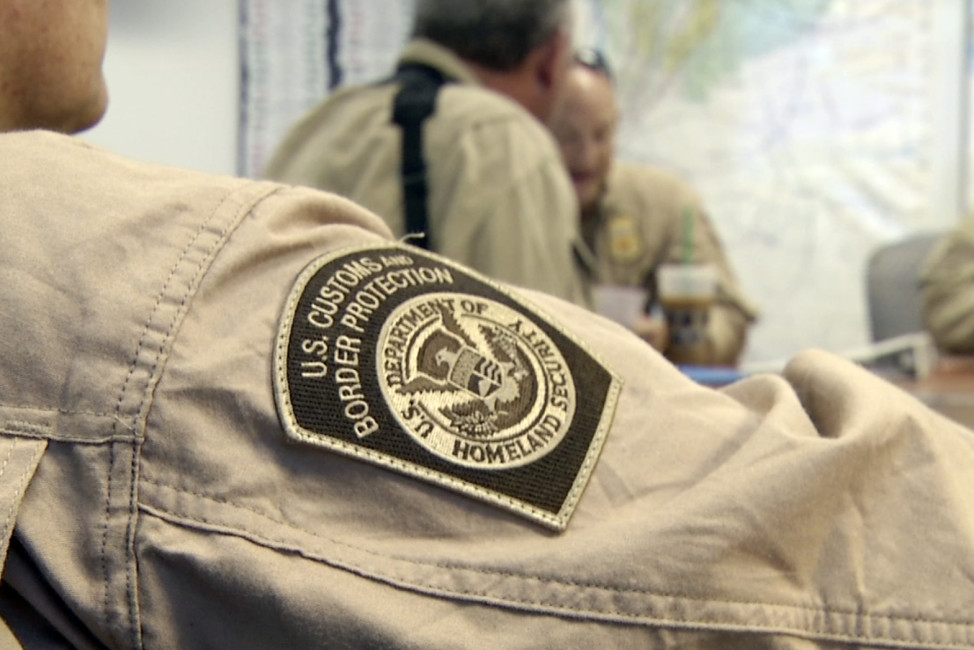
(653, 330)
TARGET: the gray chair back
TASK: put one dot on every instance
(893, 285)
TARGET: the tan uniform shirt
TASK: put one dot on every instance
(168, 502)
(500, 198)
(641, 224)
(948, 285)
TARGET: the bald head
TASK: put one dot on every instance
(51, 55)
(585, 129)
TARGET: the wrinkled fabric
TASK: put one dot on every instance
(500, 200)
(641, 223)
(819, 508)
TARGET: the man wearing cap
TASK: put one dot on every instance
(635, 218)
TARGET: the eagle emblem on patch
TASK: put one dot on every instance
(404, 359)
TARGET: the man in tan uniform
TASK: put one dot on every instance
(498, 198)
(635, 218)
(236, 414)
(948, 286)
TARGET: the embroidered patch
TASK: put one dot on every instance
(401, 358)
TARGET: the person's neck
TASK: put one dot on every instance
(513, 84)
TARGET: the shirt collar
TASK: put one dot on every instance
(426, 52)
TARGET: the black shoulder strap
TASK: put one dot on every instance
(415, 102)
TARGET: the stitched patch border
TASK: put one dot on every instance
(402, 358)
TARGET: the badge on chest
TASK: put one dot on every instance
(625, 239)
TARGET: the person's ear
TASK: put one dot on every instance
(552, 61)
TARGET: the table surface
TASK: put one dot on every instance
(948, 389)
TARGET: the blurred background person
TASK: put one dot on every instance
(635, 218)
(454, 146)
(948, 290)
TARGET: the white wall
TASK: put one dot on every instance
(173, 80)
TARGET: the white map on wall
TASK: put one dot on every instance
(805, 124)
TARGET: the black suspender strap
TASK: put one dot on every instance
(414, 103)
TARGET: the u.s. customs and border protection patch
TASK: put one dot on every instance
(404, 359)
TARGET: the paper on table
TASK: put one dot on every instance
(622, 304)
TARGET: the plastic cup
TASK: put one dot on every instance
(625, 305)
(686, 293)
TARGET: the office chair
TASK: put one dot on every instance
(895, 298)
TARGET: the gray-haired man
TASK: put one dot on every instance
(486, 183)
